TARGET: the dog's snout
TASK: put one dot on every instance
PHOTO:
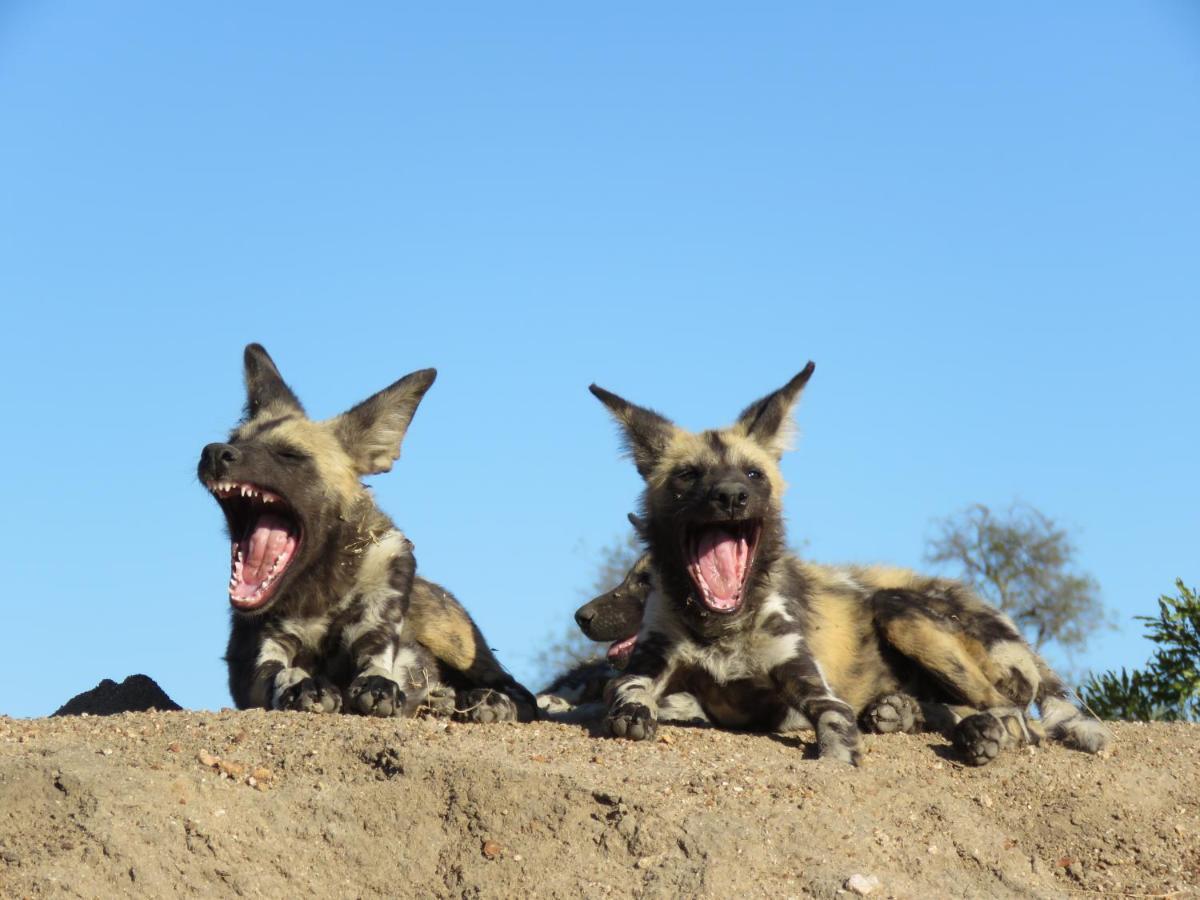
(215, 459)
(584, 616)
(730, 496)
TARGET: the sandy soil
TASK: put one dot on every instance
(288, 804)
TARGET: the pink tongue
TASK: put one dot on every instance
(260, 549)
(721, 563)
(620, 651)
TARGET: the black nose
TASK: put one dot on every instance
(583, 616)
(730, 496)
(215, 459)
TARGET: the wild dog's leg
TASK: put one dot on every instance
(939, 644)
(1062, 720)
(800, 683)
(415, 670)
(633, 713)
(282, 678)
(373, 640)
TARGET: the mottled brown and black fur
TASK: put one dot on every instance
(347, 622)
(804, 645)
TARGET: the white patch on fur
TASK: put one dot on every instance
(830, 743)
(374, 588)
(840, 577)
(681, 707)
(775, 604)
(795, 720)
(309, 632)
(374, 572)
(658, 616)
(1065, 723)
(1017, 655)
(639, 689)
(750, 655)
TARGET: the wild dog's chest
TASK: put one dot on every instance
(371, 601)
(752, 703)
(749, 655)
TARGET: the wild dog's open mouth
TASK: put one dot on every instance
(265, 535)
(620, 651)
(719, 558)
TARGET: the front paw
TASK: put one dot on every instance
(484, 705)
(893, 714)
(376, 695)
(310, 695)
(979, 738)
(440, 701)
(634, 721)
(837, 740)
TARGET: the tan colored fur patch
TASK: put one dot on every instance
(693, 449)
(318, 440)
(442, 625)
(951, 655)
(840, 637)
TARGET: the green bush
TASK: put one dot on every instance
(1168, 688)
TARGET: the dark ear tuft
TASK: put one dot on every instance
(265, 387)
(647, 434)
(769, 420)
(372, 431)
(638, 523)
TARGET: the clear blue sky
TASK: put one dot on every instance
(983, 224)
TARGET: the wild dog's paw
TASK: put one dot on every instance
(485, 705)
(632, 720)
(979, 738)
(310, 695)
(439, 701)
(892, 714)
(837, 740)
(376, 695)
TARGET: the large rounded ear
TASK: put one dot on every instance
(371, 433)
(769, 421)
(265, 387)
(647, 434)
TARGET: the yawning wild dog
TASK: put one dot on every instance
(766, 641)
(326, 605)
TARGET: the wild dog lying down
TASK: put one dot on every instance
(581, 693)
(765, 641)
(327, 609)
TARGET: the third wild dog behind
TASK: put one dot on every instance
(327, 609)
(768, 642)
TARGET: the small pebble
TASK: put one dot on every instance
(862, 884)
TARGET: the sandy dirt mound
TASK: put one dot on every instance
(286, 804)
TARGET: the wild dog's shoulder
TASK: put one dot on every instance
(382, 562)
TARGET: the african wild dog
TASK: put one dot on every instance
(581, 693)
(326, 605)
(766, 641)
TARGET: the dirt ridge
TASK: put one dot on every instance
(270, 804)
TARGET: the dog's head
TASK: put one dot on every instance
(285, 482)
(616, 615)
(712, 503)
